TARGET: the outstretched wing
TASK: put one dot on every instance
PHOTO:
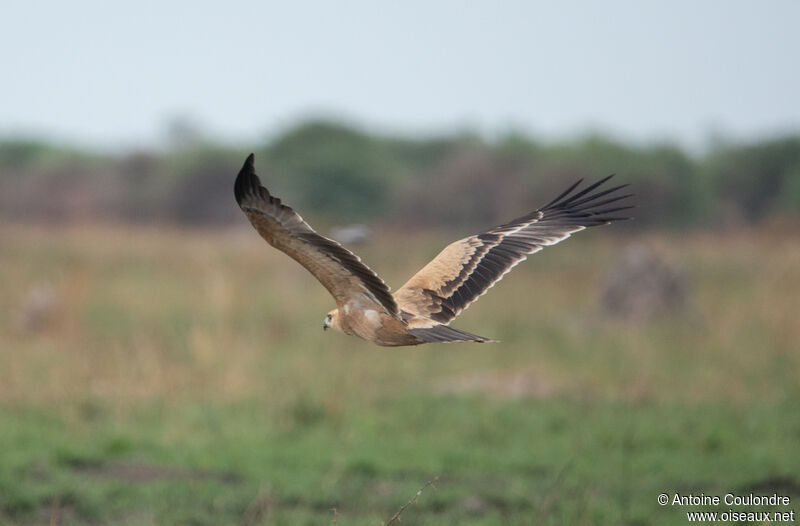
(339, 270)
(466, 269)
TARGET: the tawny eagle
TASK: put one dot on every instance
(420, 311)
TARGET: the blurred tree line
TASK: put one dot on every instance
(335, 173)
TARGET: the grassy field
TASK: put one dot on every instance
(183, 378)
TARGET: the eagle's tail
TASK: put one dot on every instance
(445, 334)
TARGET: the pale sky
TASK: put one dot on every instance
(111, 74)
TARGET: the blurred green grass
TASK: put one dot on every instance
(183, 378)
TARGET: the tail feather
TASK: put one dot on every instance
(445, 334)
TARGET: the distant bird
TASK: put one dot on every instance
(421, 309)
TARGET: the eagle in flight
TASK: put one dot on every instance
(420, 311)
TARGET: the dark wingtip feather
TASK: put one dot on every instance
(574, 197)
(562, 194)
(576, 208)
(593, 203)
(247, 181)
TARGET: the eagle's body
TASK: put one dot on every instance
(420, 310)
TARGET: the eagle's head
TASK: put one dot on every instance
(331, 321)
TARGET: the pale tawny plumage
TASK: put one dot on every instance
(421, 309)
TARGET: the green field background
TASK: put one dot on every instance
(182, 377)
